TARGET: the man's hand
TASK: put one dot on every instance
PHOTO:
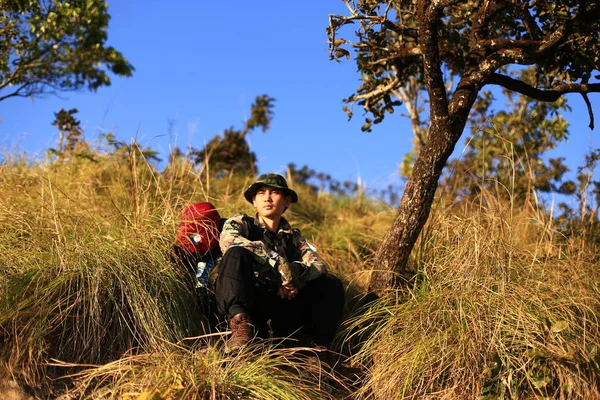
(287, 291)
(290, 274)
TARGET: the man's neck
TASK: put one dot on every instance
(272, 224)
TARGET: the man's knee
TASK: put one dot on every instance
(333, 283)
(237, 264)
(329, 286)
(236, 259)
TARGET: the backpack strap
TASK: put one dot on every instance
(291, 251)
(256, 233)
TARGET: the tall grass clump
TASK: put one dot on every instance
(502, 307)
(204, 373)
(81, 282)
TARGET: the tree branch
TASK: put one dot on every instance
(372, 19)
(535, 47)
(16, 93)
(590, 111)
(428, 17)
(350, 8)
(529, 22)
(404, 54)
(449, 3)
(548, 95)
(500, 43)
(481, 18)
(382, 89)
(542, 94)
(400, 30)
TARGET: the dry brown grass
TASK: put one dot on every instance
(502, 307)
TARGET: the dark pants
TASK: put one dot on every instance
(316, 310)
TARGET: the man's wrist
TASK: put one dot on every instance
(285, 270)
(298, 272)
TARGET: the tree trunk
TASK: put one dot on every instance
(447, 124)
(448, 120)
(391, 261)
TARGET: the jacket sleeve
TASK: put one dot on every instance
(234, 234)
(313, 267)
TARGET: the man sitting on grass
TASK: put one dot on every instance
(271, 282)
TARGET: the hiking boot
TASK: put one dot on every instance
(242, 333)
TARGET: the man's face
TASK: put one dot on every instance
(271, 202)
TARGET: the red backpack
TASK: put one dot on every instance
(199, 228)
(198, 240)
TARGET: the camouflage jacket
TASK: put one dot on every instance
(285, 251)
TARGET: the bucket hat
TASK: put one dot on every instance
(271, 180)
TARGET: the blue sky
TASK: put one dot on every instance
(202, 66)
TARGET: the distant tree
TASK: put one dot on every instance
(71, 143)
(179, 164)
(320, 181)
(231, 152)
(70, 133)
(176, 156)
(51, 46)
(126, 151)
(506, 149)
(588, 189)
(473, 43)
(583, 220)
